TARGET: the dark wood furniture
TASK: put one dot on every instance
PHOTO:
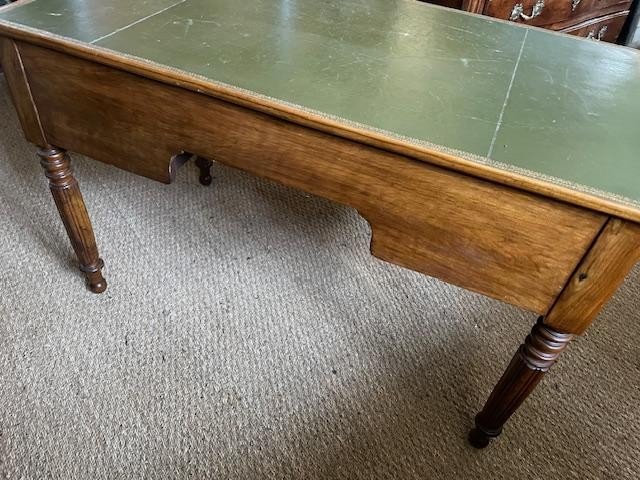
(555, 235)
(593, 19)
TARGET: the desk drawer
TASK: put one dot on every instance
(554, 14)
(509, 244)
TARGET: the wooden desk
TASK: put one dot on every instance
(495, 157)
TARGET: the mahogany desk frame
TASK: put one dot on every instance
(543, 247)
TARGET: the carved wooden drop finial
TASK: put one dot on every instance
(536, 355)
(68, 199)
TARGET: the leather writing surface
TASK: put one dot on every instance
(543, 104)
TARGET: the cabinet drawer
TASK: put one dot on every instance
(605, 28)
(554, 14)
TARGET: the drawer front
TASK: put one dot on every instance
(555, 14)
(457, 4)
(505, 243)
(606, 29)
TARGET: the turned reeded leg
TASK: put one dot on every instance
(205, 170)
(73, 212)
(534, 357)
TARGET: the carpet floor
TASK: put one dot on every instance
(247, 333)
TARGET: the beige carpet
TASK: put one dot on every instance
(248, 334)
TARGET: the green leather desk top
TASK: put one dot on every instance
(549, 106)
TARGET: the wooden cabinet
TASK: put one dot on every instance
(555, 14)
(594, 19)
(605, 28)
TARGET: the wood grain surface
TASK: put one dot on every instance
(613, 255)
(21, 92)
(508, 244)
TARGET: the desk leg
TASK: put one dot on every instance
(205, 170)
(533, 359)
(73, 212)
(603, 268)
